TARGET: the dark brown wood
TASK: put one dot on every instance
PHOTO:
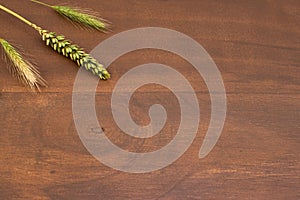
(256, 46)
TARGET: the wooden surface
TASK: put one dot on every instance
(256, 46)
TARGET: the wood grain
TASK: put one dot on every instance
(256, 46)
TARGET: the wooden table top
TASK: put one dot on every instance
(256, 46)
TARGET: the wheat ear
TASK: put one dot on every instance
(74, 52)
(20, 68)
(81, 16)
(66, 48)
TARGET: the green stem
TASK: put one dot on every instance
(19, 17)
(42, 3)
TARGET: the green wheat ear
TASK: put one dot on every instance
(80, 16)
(74, 52)
(20, 68)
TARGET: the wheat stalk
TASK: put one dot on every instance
(81, 16)
(66, 48)
(20, 68)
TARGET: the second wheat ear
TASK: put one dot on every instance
(66, 48)
(81, 16)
